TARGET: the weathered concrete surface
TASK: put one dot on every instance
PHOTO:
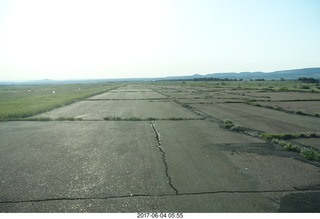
(103, 167)
(310, 107)
(142, 109)
(47, 160)
(235, 202)
(123, 94)
(261, 119)
(199, 155)
(143, 166)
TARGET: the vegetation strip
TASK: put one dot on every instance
(306, 152)
(278, 108)
(309, 153)
(287, 136)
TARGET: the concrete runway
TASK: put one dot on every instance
(165, 165)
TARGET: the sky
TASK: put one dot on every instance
(100, 39)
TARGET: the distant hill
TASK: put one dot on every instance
(276, 75)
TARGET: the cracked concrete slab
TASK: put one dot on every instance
(163, 155)
(143, 166)
(142, 109)
(259, 118)
(117, 94)
(40, 160)
(275, 172)
(194, 168)
(244, 202)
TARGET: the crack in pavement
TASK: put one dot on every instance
(163, 156)
(159, 195)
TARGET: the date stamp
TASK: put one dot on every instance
(159, 215)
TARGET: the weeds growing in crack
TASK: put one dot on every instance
(287, 136)
(306, 152)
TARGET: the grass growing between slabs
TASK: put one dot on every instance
(280, 139)
(308, 153)
(287, 136)
(19, 102)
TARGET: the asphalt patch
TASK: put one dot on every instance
(300, 202)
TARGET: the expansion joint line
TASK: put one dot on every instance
(158, 195)
(163, 156)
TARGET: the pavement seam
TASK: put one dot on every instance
(159, 195)
(163, 156)
(191, 109)
(127, 99)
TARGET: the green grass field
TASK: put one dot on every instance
(21, 101)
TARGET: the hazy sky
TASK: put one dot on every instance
(66, 39)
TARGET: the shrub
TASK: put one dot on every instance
(290, 147)
(227, 123)
(310, 154)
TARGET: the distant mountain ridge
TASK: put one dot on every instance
(276, 75)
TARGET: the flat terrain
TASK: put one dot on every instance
(159, 150)
(141, 109)
(308, 107)
(122, 94)
(261, 119)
